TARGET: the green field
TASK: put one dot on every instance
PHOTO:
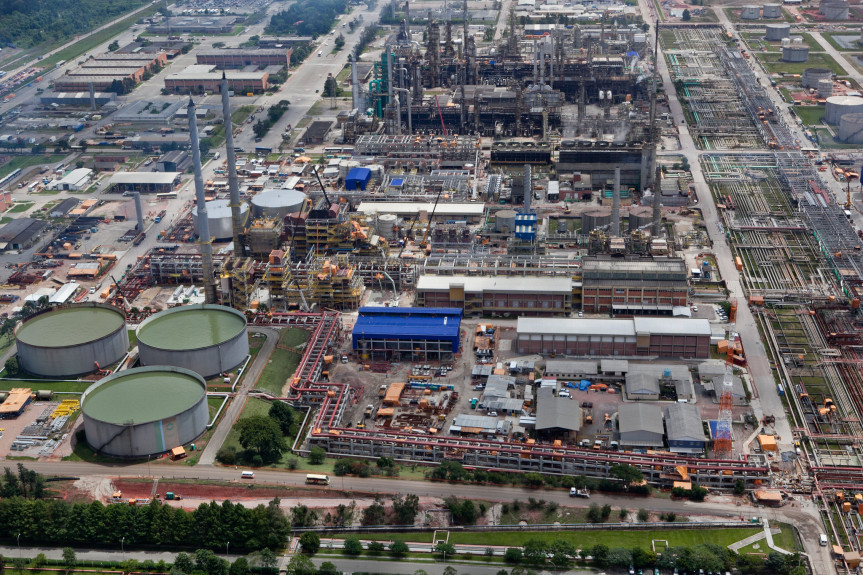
(20, 207)
(241, 114)
(581, 539)
(21, 162)
(816, 60)
(37, 384)
(280, 367)
(293, 337)
(811, 115)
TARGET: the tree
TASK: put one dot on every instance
(512, 555)
(406, 508)
(184, 563)
(283, 414)
(605, 512)
(262, 435)
(113, 46)
(339, 42)
(623, 514)
(686, 16)
(600, 554)
(619, 557)
(331, 87)
(302, 516)
(739, 487)
(239, 567)
(300, 565)
(444, 549)
(353, 546)
(317, 455)
(374, 514)
(12, 367)
(450, 570)
(310, 542)
(399, 549)
(643, 515)
(69, 559)
(628, 474)
(594, 514)
(328, 568)
(375, 547)
(269, 561)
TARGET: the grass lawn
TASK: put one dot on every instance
(213, 404)
(94, 40)
(581, 539)
(810, 115)
(817, 60)
(280, 367)
(36, 384)
(293, 337)
(20, 207)
(829, 37)
(21, 162)
(133, 339)
(785, 539)
(241, 114)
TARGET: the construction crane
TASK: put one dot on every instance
(323, 189)
(424, 243)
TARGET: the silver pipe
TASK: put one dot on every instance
(615, 204)
(204, 237)
(408, 98)
(233, 180)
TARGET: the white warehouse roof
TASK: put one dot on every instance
(623, 327)
(497, 283)
(144, 178)
(469, 209)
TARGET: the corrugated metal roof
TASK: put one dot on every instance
(640, 417)
(579, 326)
(683, 423)
(614, 365)
(641, 384)
(497, 284)
(406, 324)
(565, 366)
(672, 326)
(557, 413)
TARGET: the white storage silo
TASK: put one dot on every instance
(838, 106)
(851, 128)
(824, 88)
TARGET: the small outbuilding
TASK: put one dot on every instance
(684, 429)
(640, 425)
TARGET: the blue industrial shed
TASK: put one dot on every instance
(407, 332)
(358, 178)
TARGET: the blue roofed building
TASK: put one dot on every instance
(407, 333)
(358, 179)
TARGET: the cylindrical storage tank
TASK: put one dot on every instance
(596, 217)
(144, 411)
(776, 32)
(640, 217)
(70, 340)
(811, 76)
(825, 88)
(219, 216)
(386, 223)
(795, 53)
(838, 106)
(344, 169)
(377, 171)
(208, 339)
(504, 221)
(277, 204)
(750, 12)
(44, 395)
(833, 10)
(772, 11)
(851, 128)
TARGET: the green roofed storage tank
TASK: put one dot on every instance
(208, 339)
(145, 411)
(69, 340)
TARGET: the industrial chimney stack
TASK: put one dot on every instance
(615, 204)
(657, 204)
(204, 237)
(139, 212)
(233, 181)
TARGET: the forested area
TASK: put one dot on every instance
(26, 23)
(307, 17)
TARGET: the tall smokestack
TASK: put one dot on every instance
(204, 236)
(654, 132)
(528, 177)
(535, 60)
(355, 88)
(92, 96)
(139, 211)
(657, 205)
(233, 181)
(389, 73)
(615, 204)
(551, 63)
(407, 19)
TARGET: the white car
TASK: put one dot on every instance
(564, 393)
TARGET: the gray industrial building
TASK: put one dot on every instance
(570, 369)
(21, 233)
(482, 425)
(317, 132)
(76, 99)
(174, 161)
(684, 429)
(634, 286)
(558, 417)
(640, 425)
(644, 381)
(144, 182)
(194, 25)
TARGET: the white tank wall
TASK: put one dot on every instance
(219, 216)
(206, 361)
(148, 438)
(838, 106)
(825, 88)
(851, 129)
(272, 203)
(76, 359)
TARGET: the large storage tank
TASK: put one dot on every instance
(772, 11)
(70, 340)
(208, 339)
(595, 217)
(824, 88)
(838, 106)
(795, 51)
(834, 9)
(277, 204)
(776, 32)
(640, 217)
(811, 76)
(851, 128)
(144, 411)
(504, 221)
(750, 12)
(386, 225)
(219, 216)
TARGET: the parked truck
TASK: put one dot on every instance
(583, 493)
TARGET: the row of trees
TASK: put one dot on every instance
(275, 112)
(307, 17)
(210, 526)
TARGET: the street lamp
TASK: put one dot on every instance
(19, 545)
(227, 544)
(122, 549)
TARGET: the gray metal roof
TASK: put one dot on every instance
(641, 384)
(579, 326)
(144, 178)
(710, 369)
(636, 417)
(557, 413)
(659, 370)
(672, 326)
(497, 284)
(683, 423)
(614, 365)
(498, 386)
(21, 230)
(471, 420)
(571, 367)
(505, 404)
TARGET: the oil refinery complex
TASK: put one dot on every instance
(630, 238)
